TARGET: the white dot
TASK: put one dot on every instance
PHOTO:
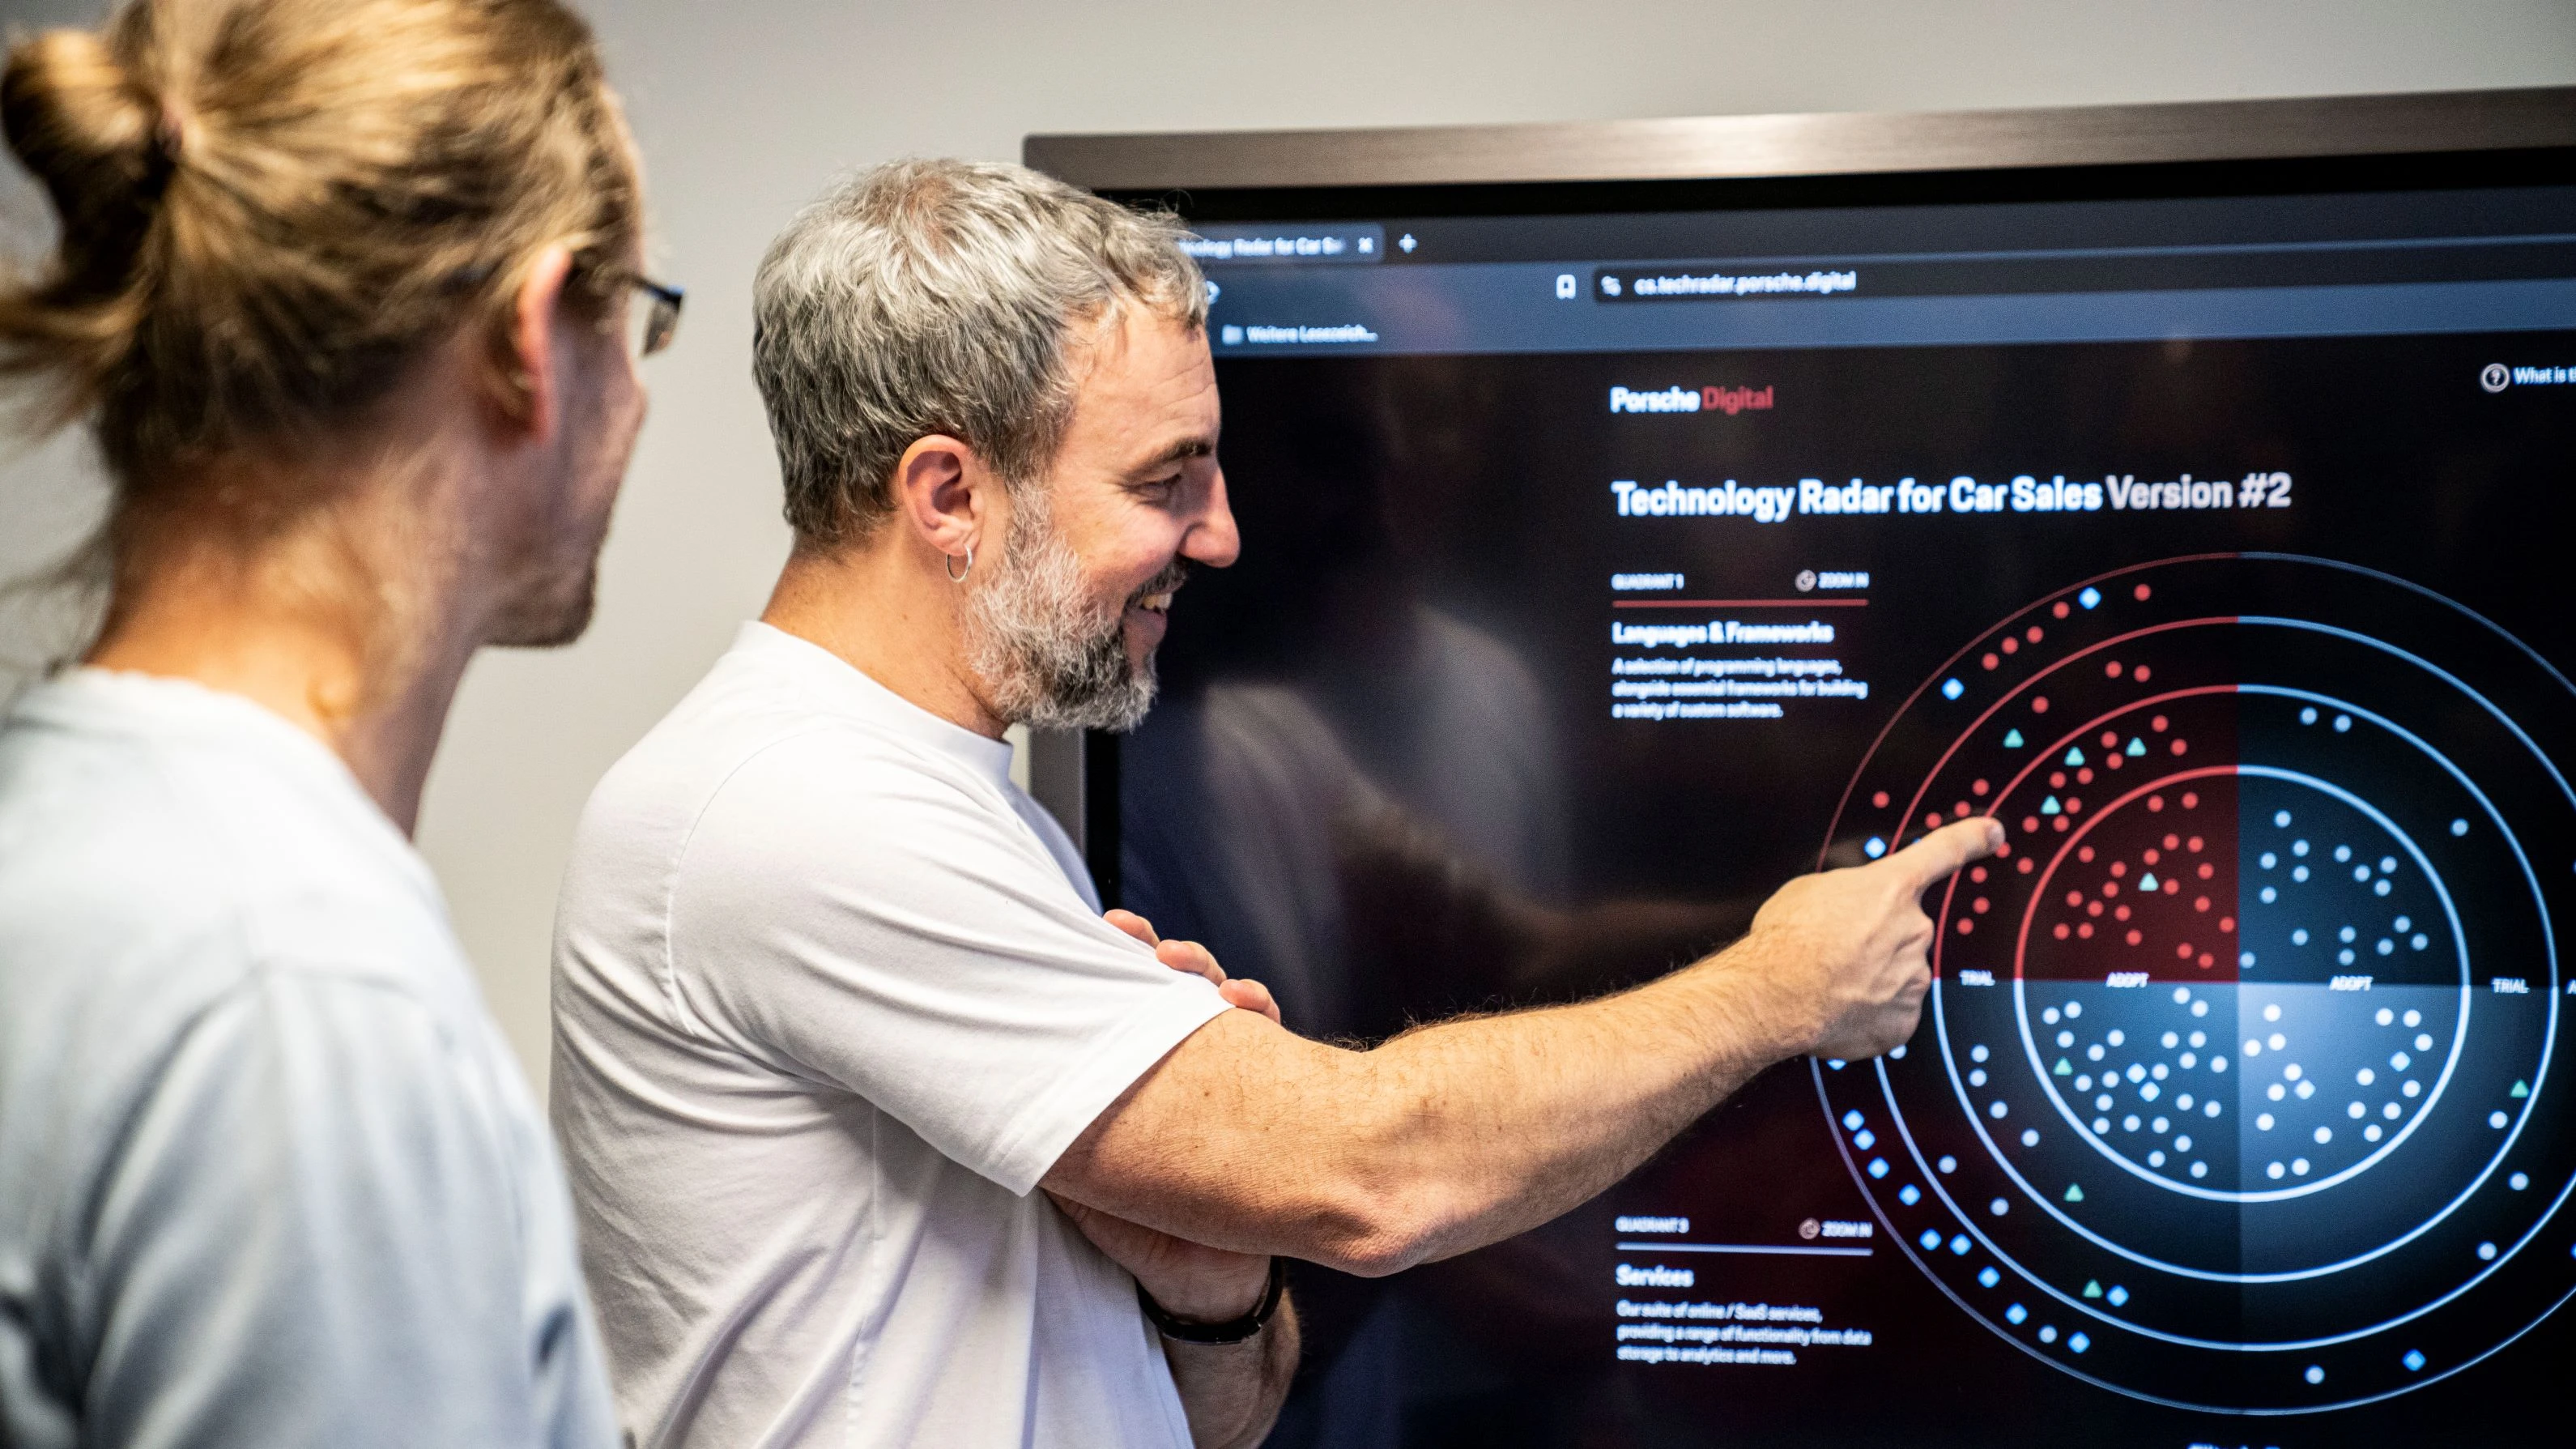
(2171, 1040)
(2074, 1009)
(2291, 1071)
(2343, 722)
(2370, 1133)
(2486, 1252)
(2269, 896)
(2412, 1088)
(2298, 847)
(2101, 1124)
(2200, 1008)
(2299, 937)
(2200, 1169)
(2403, 924)
(2049, 1016)
(2030, 1137)
(2299, 873)
(2365, 1076)
(2182, 1144)
(2346, 935)
(2388, 865)
(2317, 1375)
(2209, 1108)
(2274, 1171)
(2276, 1041)
(1999, 1207)
(2355, 1111)
(2420, 941)
(2116, 1037)
(2414, 1018)
(2272, 1013)
(2199, 1038)
(2380, 889)
(2324, 1135)
(2299, 1165)
(2423, 1041)
(1948, 1164)
(2263, 1123)
(2276, 1091)
(2343, 852)
(2253, 1048)
(2281, 818)
(2386, 1016)
(2519, 1181)
(2130, 1122)
(2066, 1038)
(2155, 1159)
(2307, 1090)
(1977, 1054)
(2459, 827)
(1997, 1110)
(2183, 993)
(2496, 1119)
(2392, 1111)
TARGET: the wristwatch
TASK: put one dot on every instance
(1232, 1331)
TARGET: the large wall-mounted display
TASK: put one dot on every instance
(1613, 552)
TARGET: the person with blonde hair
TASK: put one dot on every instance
(347, 293)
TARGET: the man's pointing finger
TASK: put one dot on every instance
(1931, 860)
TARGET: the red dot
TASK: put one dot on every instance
(2113, 762)
(1983, 905)
(2206, 869)
(2227, 924)
(2026, 863)
(1879, 800)
(2084, 776)
(2179, 746)
(2085, 930)
(2061, 825)
(2151, 855)
(1978, 875)
(1966, 925)
(2029, 824)
(2084, 853)
(2191, 801)
(2142, 674)
(2060, 610)
(2182, 952)
(2073, 804)
(2200, 903)
(2034, 633)
(2112, 669)
(2135, 937)
(2061, 932)
(2039, 704)
(2093, 909)
(1932, 821)
(2006, 849)
(1977, 787)
(2110, 739)
(2173, 842)
(2011, 645)
(2205, 960)
(2121, 914)
(1990, 661)
(2157, 724)
(2141, 592)
(2075, 898)
(2155, 802)
(2118, 867)
(2057, 779)
(2172, 885)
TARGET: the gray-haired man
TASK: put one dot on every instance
(833, 997)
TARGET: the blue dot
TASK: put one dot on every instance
(1952, 689)
(2079, 1343)
(2414, 1359)
(2315, 1375)
(2343, 722)
(2015, 1314)
(2459, 827)
(2090, 598)
(2118, 1295)
(2281, 818)
(1878, 1167)
(2048, 1333)
(2308, 715)
(1960, 1245)
(1865, 1140)
(1948, 1164)
(1874, 847)
(1852, 1120)
(1988, 1277)
(2244, 958)
(1930, 1240)
(1999, 1207)
(2299, 937)
(1909, 1195)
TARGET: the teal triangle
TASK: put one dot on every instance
(2136, 748)
(2048, 806)
(2075, 756)
(2147, 882)
(2063, 1069)
(2519, 1090)
(2012, 740)
(2074, 1193)
(2092, 1288)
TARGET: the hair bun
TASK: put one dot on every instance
(82, 125)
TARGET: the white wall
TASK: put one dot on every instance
(744, 109)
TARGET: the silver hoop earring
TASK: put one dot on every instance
(958, 576)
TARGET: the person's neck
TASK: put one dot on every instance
(350, 622)
(883, 612)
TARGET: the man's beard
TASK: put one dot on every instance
(1051, 654)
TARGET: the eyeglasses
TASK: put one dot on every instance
(651, 327)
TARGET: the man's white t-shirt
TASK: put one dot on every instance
(831, 995)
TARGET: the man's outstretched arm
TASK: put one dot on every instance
(1467, 1132)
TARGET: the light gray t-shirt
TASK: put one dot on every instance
(268, 1174)
(831, 996)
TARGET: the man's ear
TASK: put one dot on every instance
(530, 389)
(946, 496)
